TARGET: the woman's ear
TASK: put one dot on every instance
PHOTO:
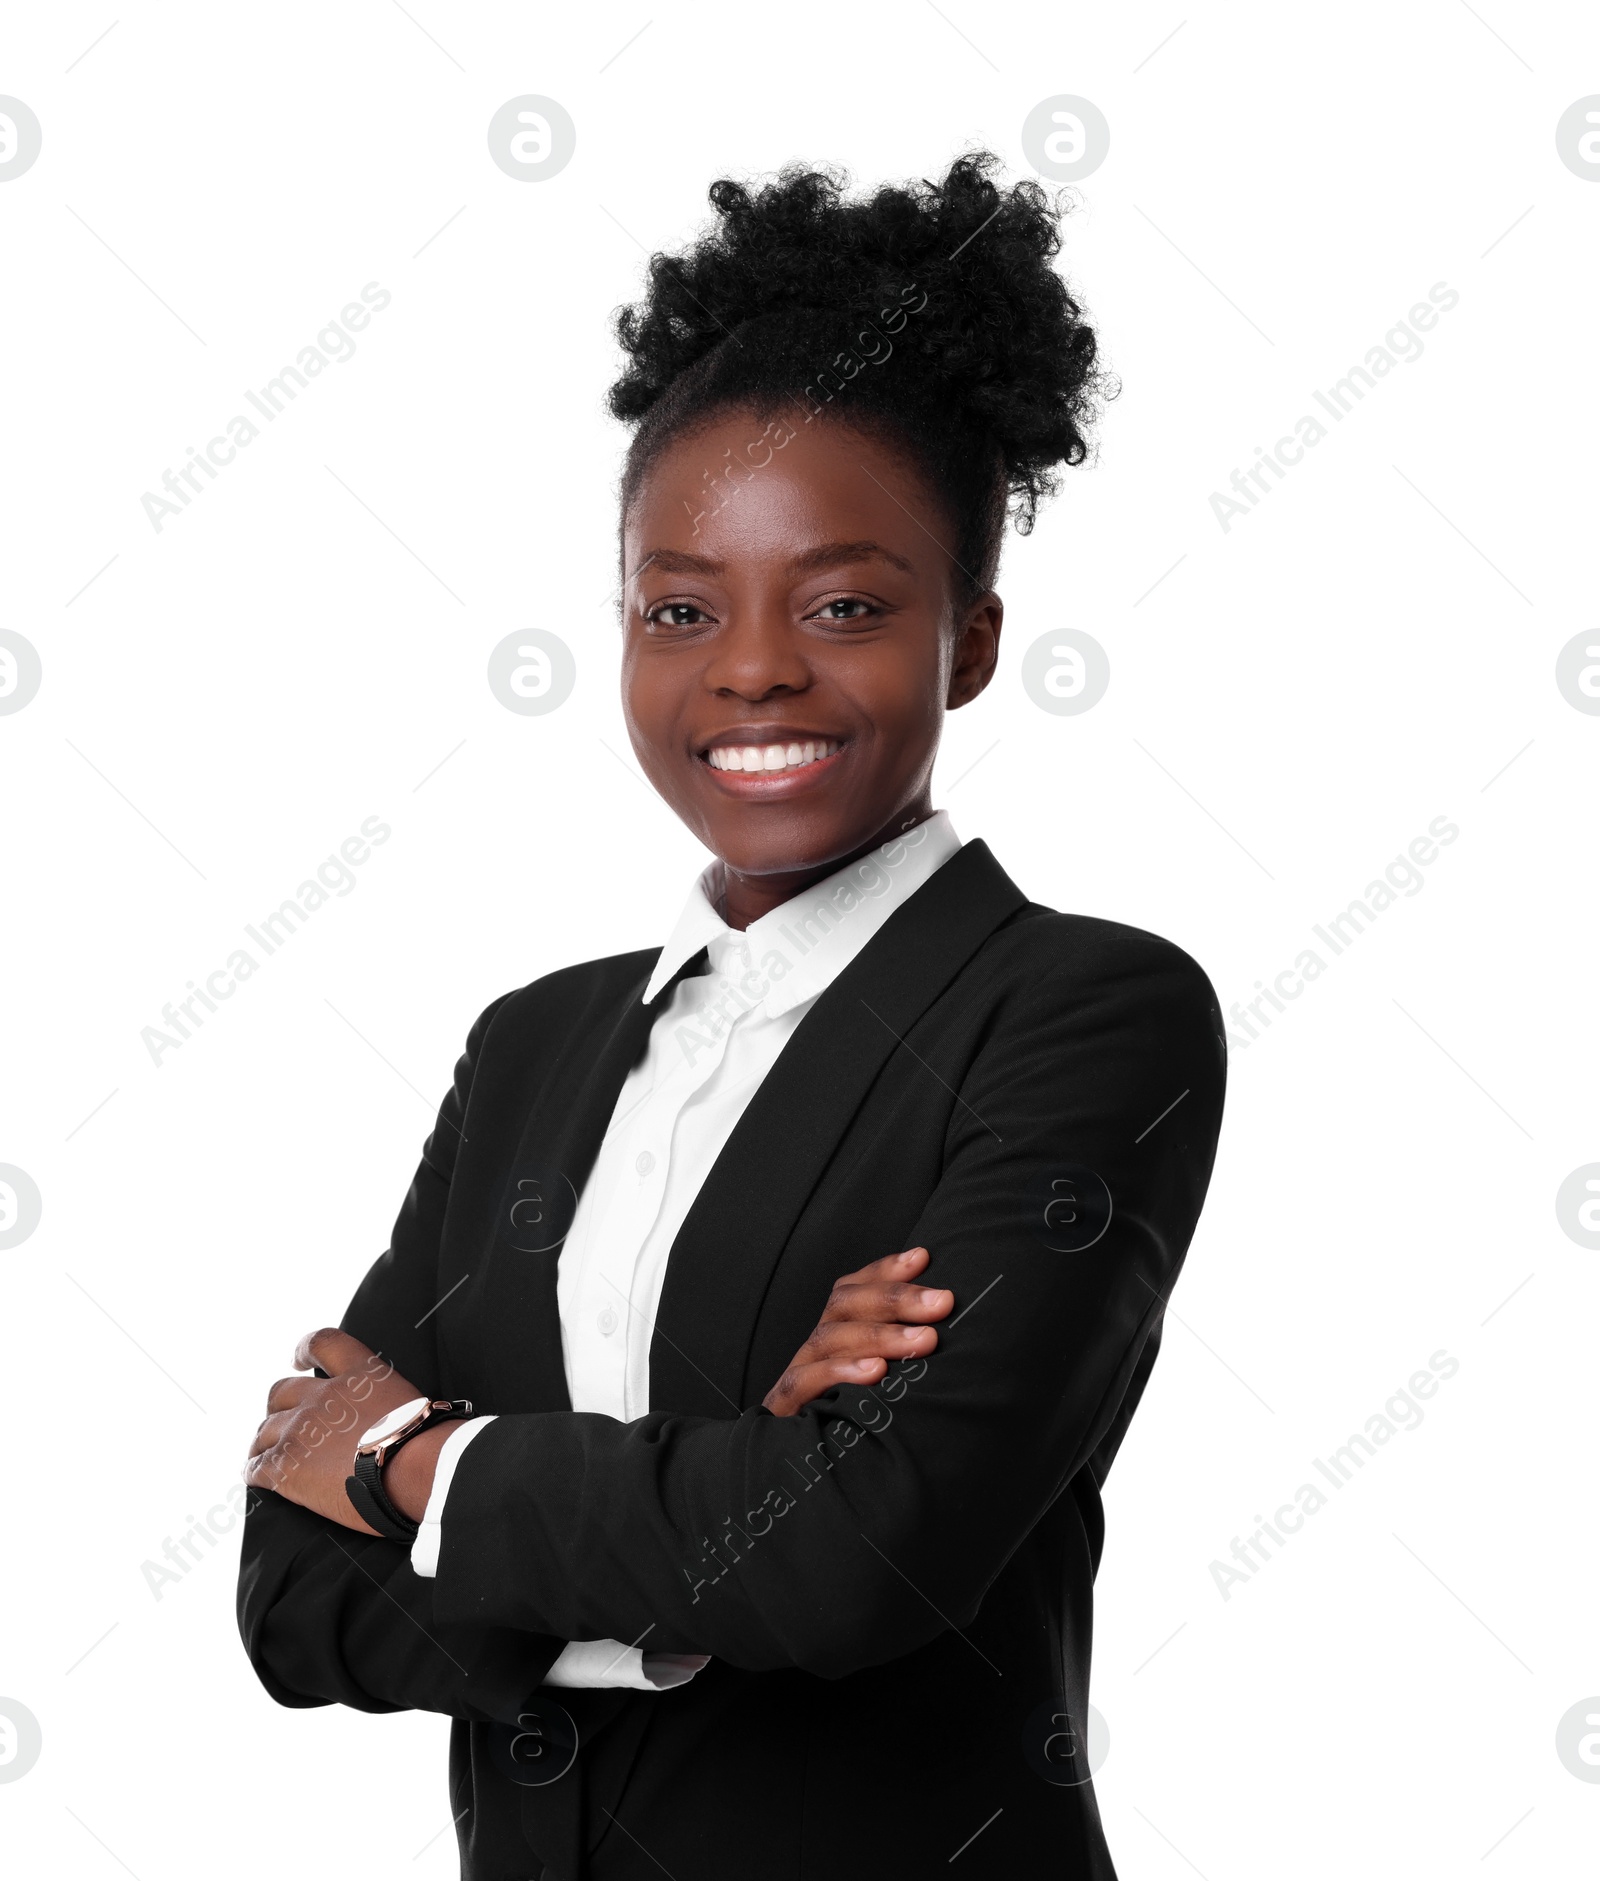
(976, 650)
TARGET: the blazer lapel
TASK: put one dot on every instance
(517, 1307)
(734, 1234)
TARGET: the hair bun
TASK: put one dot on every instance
(991, 353)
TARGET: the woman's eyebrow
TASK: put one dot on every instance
(677, 562)
(830, 554)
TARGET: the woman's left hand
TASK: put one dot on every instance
(306, 1445)
(872, 1317)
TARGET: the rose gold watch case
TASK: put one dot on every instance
(397, 1425)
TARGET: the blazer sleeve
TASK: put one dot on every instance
(330, 1616)
(773, 1542)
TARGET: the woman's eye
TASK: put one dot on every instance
(675, 614)
(841, 610)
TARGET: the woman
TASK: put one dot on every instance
(711, 1585)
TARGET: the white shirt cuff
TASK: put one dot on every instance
(425, 1549)
(590, 1663)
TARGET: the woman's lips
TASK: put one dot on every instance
(775, 769)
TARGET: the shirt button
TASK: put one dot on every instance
(644, 1162)
(607, 1321)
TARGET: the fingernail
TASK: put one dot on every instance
(933, 1296)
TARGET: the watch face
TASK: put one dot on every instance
(394, 1422)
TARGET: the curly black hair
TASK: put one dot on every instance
(928, 313)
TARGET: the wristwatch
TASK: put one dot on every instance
(365, 1488)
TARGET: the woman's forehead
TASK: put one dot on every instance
(807, 496)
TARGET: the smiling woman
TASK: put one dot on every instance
(611, 1343)
(817, 615)
(844, 602)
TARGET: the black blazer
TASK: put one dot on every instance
(895, 1585)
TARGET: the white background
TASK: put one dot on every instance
(1372, 647)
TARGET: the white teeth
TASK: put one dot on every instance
(770, 757)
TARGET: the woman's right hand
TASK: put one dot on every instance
(872, 1316)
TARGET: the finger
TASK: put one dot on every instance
(844, 1339)
(332, 1351)
(324, 1402)
(800, 1384)
(289, 1393)
(268, 1469)
(276, 1470)
(919, 1304)
(270, 1432)
(888, 1300)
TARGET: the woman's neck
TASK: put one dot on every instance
(742, 898)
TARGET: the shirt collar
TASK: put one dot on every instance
(800, 948)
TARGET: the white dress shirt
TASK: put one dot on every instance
(710, 1047)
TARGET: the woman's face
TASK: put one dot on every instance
(789, 656)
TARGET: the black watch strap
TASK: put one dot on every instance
(370, 1499)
